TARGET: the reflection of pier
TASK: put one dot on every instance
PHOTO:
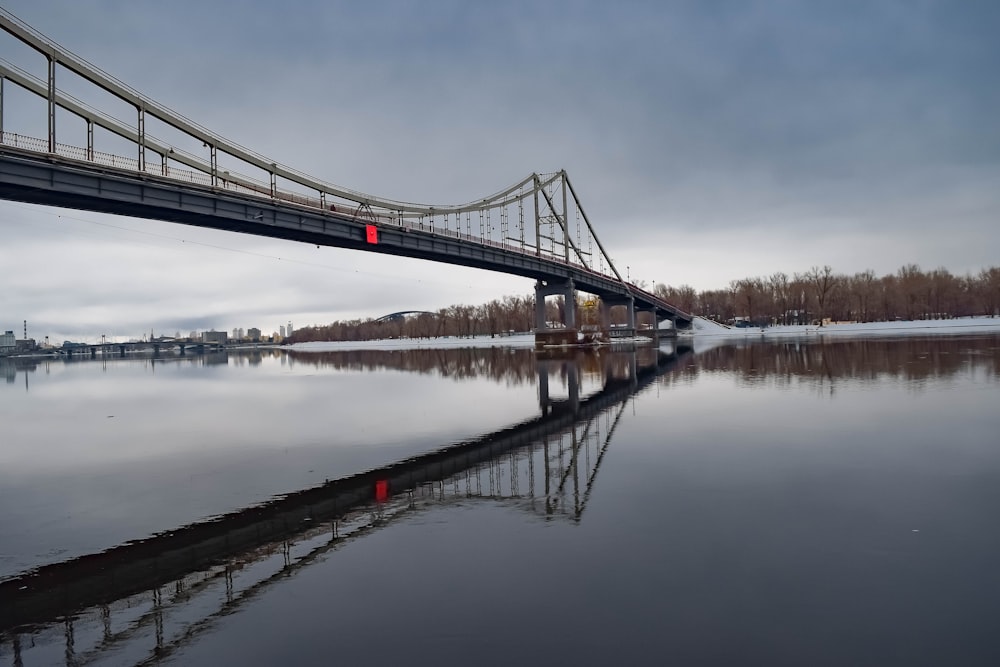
(614, 369)
(546, 465)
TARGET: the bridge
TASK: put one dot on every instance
(536, 228)
(166, 585)
(121, 349)
(402, 315)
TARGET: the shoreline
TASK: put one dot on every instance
(703, 330)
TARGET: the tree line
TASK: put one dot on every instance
(498, 317)
(821, 294)
(817, 295)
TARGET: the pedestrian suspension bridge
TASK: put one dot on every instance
(58, 150)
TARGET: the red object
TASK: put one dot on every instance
(382, 490)
(371, 234)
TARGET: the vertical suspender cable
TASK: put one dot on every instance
(52, 103)
(141, 135)
(520, 214)
(565, 218)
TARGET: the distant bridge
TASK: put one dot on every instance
(393, 317)
(535, 228)
(121, 349)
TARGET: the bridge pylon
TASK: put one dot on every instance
(545, 334)
(628, 328)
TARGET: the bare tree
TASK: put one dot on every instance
(912, 290)
(780, 295)
(749, 294)
(863, 293)
(988, 289)
(823, 282)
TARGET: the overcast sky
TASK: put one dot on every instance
(708, 140)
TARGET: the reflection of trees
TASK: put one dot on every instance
(511, 366)
(864, 359)
(508, 365)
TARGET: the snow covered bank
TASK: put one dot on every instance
(703, 328)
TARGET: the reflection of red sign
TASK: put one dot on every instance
(382, 490)
(371, 234)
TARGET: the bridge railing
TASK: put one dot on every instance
(245, 185)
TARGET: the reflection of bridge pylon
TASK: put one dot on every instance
(554, 476)
(612, 369)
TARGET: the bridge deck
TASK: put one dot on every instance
(54, 180)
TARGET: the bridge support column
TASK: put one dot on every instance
(672, 332)
(653, 331)
(550, 336)
(622, 331)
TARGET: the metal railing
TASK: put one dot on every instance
(244, 185)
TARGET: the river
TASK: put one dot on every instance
(820, 502)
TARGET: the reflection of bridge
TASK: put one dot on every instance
(535, 228)
(106, 602)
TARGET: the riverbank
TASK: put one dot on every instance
(703, 329)
(961, 325)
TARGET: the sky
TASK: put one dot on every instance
(708, 140)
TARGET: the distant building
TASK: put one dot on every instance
(214, 337)
(253, 334)
(281, 331)
(26, 345)
(7, 341)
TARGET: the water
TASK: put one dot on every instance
(801, 502)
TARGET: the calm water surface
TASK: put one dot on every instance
(776, 503)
